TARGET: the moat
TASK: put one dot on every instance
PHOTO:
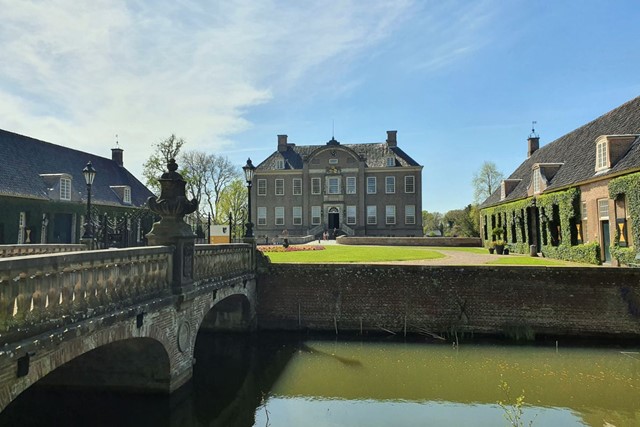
(292, 380)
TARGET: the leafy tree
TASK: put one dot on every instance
(233, 199)
(462, 222)
(156, 165)
(485, 181)
(432, 221)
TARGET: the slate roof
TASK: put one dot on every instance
(577, 150)
(25, 158)
(375, 155)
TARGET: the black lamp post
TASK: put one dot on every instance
(230, 225)
(89, 175)
(249, 170)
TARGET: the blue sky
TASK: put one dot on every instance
(461, 82)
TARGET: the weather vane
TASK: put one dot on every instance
(533, 130)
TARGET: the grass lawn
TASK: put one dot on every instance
(461, 249)
(527, 260)
(339, 253)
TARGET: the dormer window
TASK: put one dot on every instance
(391, 161)
(610, 149)
(65, 188)
(123, 192)
(537, 181)
(542, 177)
(507, 186)
(602, 157)
(280, 164)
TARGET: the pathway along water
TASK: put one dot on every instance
(284, 380)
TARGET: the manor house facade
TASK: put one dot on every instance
(371, 189)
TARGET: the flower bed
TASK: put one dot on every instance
(280, 248)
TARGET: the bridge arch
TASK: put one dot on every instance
(132, 364)
(233, 313)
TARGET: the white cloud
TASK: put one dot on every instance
(77, 73)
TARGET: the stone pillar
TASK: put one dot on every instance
(171, 230)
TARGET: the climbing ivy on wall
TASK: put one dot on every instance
(567, 202)
(629, 186)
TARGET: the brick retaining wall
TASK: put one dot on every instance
(492, 300)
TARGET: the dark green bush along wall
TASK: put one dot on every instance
(555, 209)
(629, 187)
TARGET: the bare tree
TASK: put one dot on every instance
(221, 173)
(196, 166)
(486, 181)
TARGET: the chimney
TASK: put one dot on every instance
(282, 143)
(391, 138)
(533, 144)
(116, 156)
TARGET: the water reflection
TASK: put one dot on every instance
(283, 380)
(390, 381)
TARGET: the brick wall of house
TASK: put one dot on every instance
(493, 300)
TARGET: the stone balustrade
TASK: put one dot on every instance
(7, 251)
(215, 262)
(41, 292)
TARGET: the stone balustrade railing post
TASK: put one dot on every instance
(171, 230)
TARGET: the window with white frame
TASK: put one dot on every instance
(127, 194)
(603, 208)
(333, 185)
(584, 211)
(297, 186)
(391, 161)
(371, 185)
(315, 186)
(315, 215)
(65, 189)
(279, 187)
(602, 161)
(279, 215)
(409, 184)
(262, 215)
(390, 211)
(351, 215)
(279, 163)
(537, 181)
(297, 215)
(390, 184)
(372, 215)
(22, 225)
(333, 161)
(262, 187)
(410, 214)
(351, 185)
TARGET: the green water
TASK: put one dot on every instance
(281, 380)
(394, 384)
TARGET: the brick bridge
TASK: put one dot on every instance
(117, 314)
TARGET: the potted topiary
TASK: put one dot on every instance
(492, 247)
(498, 242)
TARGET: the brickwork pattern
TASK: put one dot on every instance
(493, 300)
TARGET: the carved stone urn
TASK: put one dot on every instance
(171, 230)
